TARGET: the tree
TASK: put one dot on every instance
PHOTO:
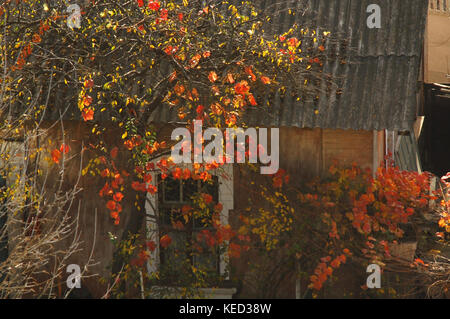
(130, 61)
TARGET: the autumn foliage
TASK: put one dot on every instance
(132, 62)
(350, 214)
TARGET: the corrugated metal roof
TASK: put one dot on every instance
(377, 93)
(380, 82)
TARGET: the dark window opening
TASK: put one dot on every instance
(184, 249)
(435, 140)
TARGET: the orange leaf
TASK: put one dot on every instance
(242, 87)
(252, 100)
(195, 60)
(87, 100)
(213, 76)
(111, 205)
(249, 71)
(104, 173)
(179, 89)
(114, 215)
(64, 148)
(88, 114)
(36, 38)
(293, 42)
(118, 196)
(56, 155)
(173, 76)
(265, 80)
(230, 78)
(419, 261)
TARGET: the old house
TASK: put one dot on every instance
(374, 110)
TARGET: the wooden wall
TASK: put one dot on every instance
(304, 154)
(310, 152)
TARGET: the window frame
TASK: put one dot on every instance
(191, 228)
(226, 198)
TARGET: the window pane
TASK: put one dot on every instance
(169, 215)
(171, 190)
(190, 187)
(212, 188)
(207, 262)
(202, 222)
(176, 251)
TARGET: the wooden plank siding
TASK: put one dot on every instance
(310, 152)
(304, 154)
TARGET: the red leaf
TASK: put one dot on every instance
(64, 148)
(88, 83)
(139, 187)
(87, 100)
(118, 196)
(207, 198)
(56, 155)
(165, 241)
(154, 5)
(114, 152)
(200, 109)
(111, 205)
(88, 115)
(151, 245)
(242, 88)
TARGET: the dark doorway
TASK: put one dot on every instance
(436, 138)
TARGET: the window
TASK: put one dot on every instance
(165, 207)
(184, 250)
